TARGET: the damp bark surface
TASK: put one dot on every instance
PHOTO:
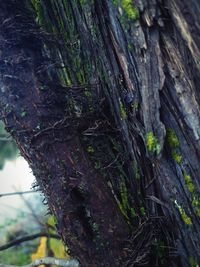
(102, 98)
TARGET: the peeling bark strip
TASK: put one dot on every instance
(104, 105)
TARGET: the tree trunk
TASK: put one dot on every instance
(102, 99)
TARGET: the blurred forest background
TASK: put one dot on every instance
(23, 214)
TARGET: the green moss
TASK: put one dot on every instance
(124, 204)
(133, 213)
(136, 171)
(97, 165)
(195, 201)
(188, 178)
(23, 114)
(85, 2)
(131, 47)
(193, 262)
(191, 187)
(189, 183)
(142, 210)
(174, 143)
(116, 2)
(123, 212)
(153, 143)
(135, 106)
(187, 220)
(90, 149)
(130, 9)
(196, 204)
(177, 157)
(122, 111)
(172, 139)
(124, 195)
(88, 93)
(128, 6)
(197, 211)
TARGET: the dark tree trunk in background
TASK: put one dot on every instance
(102, 98)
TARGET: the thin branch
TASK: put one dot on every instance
(48, 261)
(18, 193)
(29, 206)
(27, 238)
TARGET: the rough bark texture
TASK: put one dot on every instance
(102, 99)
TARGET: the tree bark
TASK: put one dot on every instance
(102, 99)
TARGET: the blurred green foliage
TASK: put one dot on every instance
(8, 148)
(20, 254)
(16, 256)
(19, 225)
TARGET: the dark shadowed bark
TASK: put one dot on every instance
(102, 99)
